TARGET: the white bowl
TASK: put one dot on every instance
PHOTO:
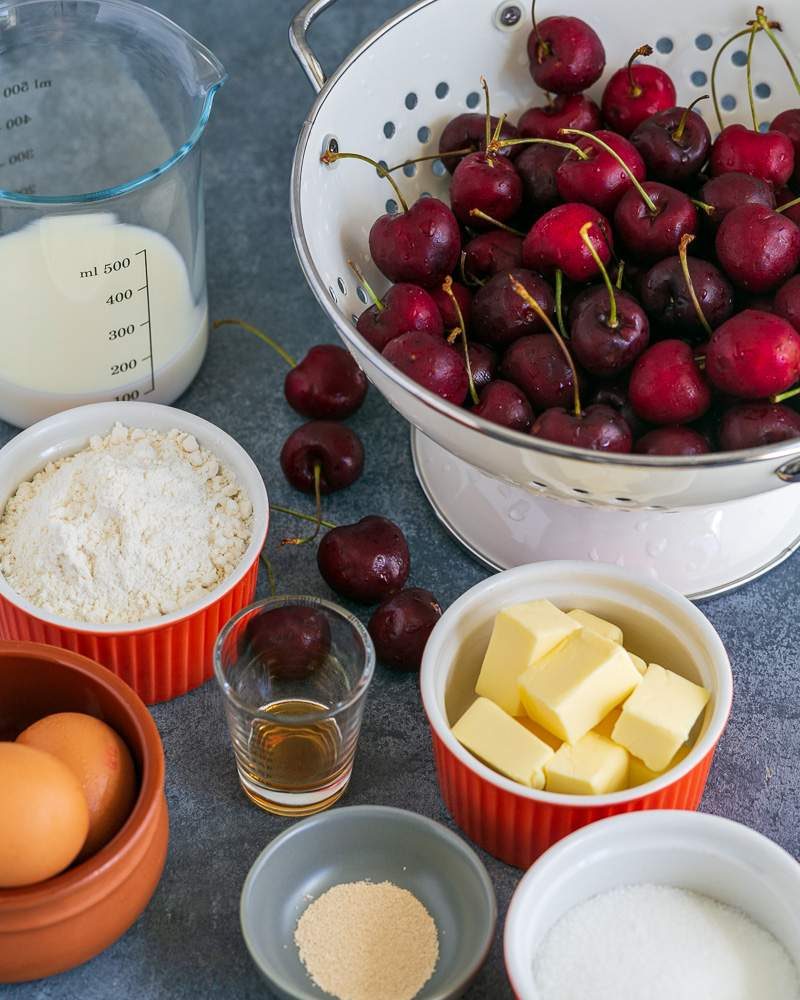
(706, 854)
(517, 823)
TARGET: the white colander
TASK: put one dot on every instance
(704, 523)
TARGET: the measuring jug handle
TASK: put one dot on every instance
(298, 32)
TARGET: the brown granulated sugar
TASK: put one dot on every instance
(368, 941)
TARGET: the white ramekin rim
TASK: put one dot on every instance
(434, 672)
(82, 422)
(591, 845)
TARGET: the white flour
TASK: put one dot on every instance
(138, 524)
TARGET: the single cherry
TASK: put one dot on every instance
(729, 191)
(667, 296)
(788, 122)
(447, 309)
(503, 403)
(598, 428)
(420, 245)
(651, 227)
(566, 55)
(290, 642)
(554, 242)
(403, 308)
(750, 425)
(564, 111)
(674, 144)
(597, 177)
(787, 203)
(401, 625)
(367, 561)
(787, 301)
(636, 92)
(489, 253)
(323, 450)
(667, 385)
(754, 355)
(615, 395)
(672, 441)
(768, 155)
(486, 183)
(758, 248)
(536, 365)
(499, 316)
(326, 385)
(468, 132)
(483, 363)
(431, 362)
(537, 166)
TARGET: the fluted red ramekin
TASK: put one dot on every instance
(514, 823)
(162, 657)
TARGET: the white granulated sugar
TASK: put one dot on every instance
(661, 943)
(136, 525)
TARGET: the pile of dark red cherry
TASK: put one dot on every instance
(557, 295)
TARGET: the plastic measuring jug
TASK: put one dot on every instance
(102, 251)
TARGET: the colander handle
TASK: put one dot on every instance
(298, 31)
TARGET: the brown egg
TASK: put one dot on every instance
(44, 817)
(101, 762)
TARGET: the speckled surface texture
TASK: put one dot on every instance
(187, 945)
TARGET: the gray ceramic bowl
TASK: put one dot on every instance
(377, 844)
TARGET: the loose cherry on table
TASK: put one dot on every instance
(290, 642)
(599, 170)
(758, 248)
(672, 441)
(367, 561)
(432, 363)
(468, 132)
(564, 111)
(566, 55)
(610, 330)
(728, 191)
(404, 307)
(322, 456)
(499, 316)
(554, 242)
(636, 92)
(674, 144)
(401, 626)
(503, 403)
(751, 425)
(489, 253)
(667, 385)
(754, 355)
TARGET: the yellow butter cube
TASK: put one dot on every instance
(522, 634)
(658, 717)
(639, 773)
(502, 743)
(539, 731)
(587, 620)
(639, 663)
(592, 766)
(606, 726)
(575, 687)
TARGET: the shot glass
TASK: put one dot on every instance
(294, 673)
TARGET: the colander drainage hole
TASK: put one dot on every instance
(739, 58)
(764, 127)
(473, 99)
(424, 134)
(439, 168)
(442, 90)
(728, 102)
(623, 499)
(391, 206)
(665, 45)
(362, 295)
(354, 318)
(577, 489)
(389, 129)
(699, 78)
(332, 294)
(410, 169)
(762, 90)
(704, 42)
(411, 101)
(342, 286)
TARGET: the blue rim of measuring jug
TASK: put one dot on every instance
(183, 150)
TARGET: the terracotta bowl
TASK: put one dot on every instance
(57, 924)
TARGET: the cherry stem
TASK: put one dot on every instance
(717, 57)
(270, 573)
(643, 50)
(677, 135)
(542, 48)
(468, 279)
(366, 285)
(620, 274)
(447, 288)
(768, 27)
(651, 205)
(751, 96)
(317, 511)
(290, 361)
(303, 517)
(485, 87)
(789, 394)
(683, 254)
(703, 206)
(580, 153)
(560, 303)
(433, 156)
(527, 298)
(478, 214)
(788, 205)
(613, 319)
(496, 135)
(329, 157)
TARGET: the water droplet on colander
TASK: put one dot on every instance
(657, 547)
(519, 510)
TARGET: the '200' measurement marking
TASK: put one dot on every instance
(123, 367)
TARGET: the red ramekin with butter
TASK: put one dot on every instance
(517, 823)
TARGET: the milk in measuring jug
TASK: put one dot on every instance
(92, 309)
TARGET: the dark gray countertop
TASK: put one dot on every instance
(187, 943)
